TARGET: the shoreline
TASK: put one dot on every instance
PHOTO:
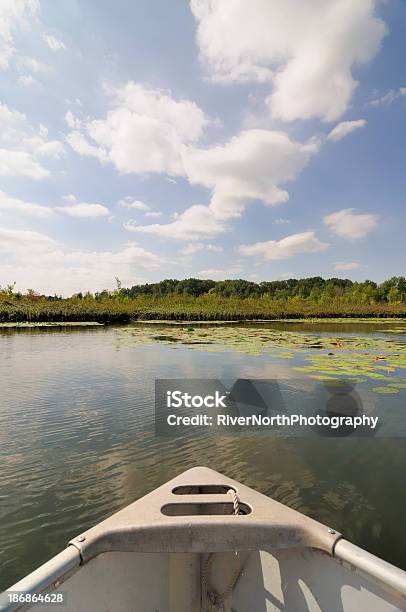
(207, 322)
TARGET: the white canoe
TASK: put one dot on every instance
(183, 548)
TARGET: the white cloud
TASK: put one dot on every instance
(54, 43)
(132, 204)
(196, 223)
(37, 261)
(252, 165)
(307, 50)
(27, 80)
(197, 247)
(18, 163)
(79, 144)
(22, 148)
(73, 208)
(350, 265)
(15, 205)
(295, 244)
(220, 274)
(31, 64)
(72, 121)
(389, 97)
(130, 225)
(15, 242)
(144, 132)
(281, 221)
(50, 148)
(347, 224)
(344, 128)
(14, 15)
(83, 210)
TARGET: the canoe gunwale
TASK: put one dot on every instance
(142, 527)
(45, 578)
(366, 564)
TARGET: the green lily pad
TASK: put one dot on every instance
(354, 358)
(385, 390)
(324, 377)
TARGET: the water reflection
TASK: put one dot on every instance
(77, 443)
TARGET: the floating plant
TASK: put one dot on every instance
(319, 357)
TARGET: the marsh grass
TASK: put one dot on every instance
(188, 309)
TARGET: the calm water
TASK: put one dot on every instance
(77, 444)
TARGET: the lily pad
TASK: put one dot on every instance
(385, 390)
(357, 358)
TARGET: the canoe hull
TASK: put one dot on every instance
(181, 545)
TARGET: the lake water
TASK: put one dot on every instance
(77, 438)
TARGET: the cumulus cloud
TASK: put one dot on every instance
(130, 225)
(35, 260)
(143, 132)
(16, 242)
(73, 208)
(251, 166)
(15, 205)
(197, 247)
(347, 265)
(221, 274)
(149, 131)
(281, 221)
(295, 244)
(72, 121)
(347, 224)
(31, 64)
(344, 128)
(306, 50)
(27, 80)
(19, 163)
(54, 43)
(14, 15)
(132, 204)
(22, 147)
(196, 223)
(388, 98)
(83, 210)
(84, 148)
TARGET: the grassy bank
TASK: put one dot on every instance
(118, 309)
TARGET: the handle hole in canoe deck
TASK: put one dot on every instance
(202, 490)
(225, 508)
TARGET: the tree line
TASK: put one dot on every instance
(206, 300)
(314, 288)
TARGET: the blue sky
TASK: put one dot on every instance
(159, 139)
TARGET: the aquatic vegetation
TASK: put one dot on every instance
(319, 357)
(30, 324)
(123, 306)
(385, 390)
